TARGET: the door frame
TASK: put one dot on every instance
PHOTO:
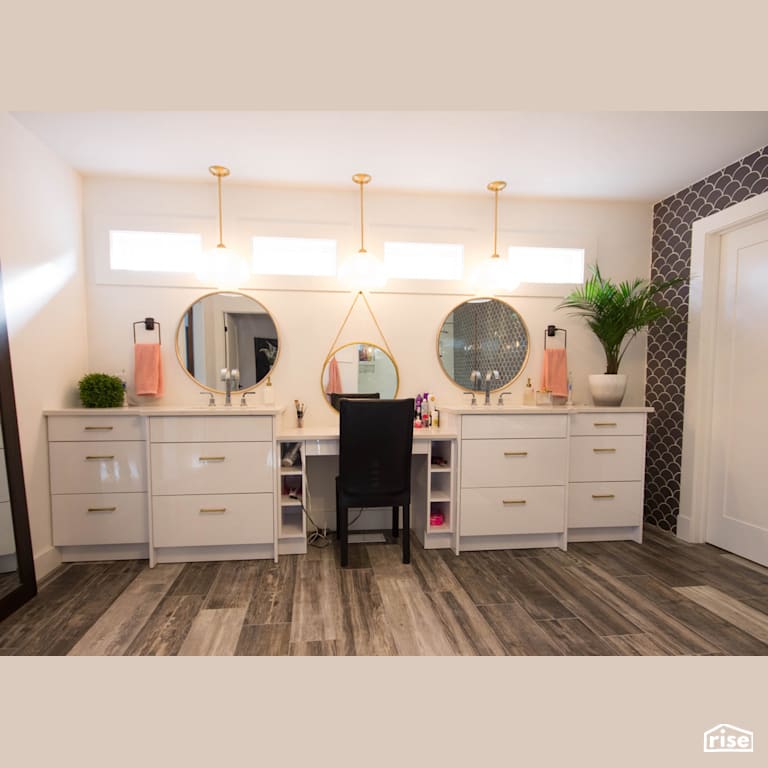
(706, 234)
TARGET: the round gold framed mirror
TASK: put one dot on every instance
(227, 333)
(483, 339)
(359, 369)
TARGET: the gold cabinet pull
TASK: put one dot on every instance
(99, 458)
(515, 453)
(510, 502)
(102, 509)
(92, 429)
(603, 495)
(604, 450)
(212, 458)
(603, 423)
(212, 510)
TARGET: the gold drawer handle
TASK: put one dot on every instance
(91, 429)
(604, 450)
(508, 502)
(515, 453)
(99, 458)
(603, 495)
(603, 423)
(102, 509)
(212, 510)
(212, 458)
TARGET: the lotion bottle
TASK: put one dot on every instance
(529, 396)
(269, 392)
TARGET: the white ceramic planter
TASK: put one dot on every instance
(607, 388)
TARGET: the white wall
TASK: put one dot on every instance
(44, 287)
(308, 312)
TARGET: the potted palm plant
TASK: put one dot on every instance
(615, 314)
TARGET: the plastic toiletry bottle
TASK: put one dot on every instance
(269, 392)
(425, 410)
(434, 413)
(529, 396)
(570, 388)
(124, 382)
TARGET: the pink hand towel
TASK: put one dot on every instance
(148, 369)
(334, 378)
(554, 374)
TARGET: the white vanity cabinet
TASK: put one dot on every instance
(607, 468)
(170, 484)
(537, 477)
(513, 480)
(212, 487)
(98, 481)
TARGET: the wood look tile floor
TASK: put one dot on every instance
(662, 597)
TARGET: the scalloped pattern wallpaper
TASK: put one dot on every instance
(667, 340)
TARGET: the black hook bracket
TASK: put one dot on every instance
(150, 324)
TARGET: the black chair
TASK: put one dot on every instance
(336, 397)
(375, 448)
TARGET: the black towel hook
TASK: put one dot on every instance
(551, 330)
(149, 324)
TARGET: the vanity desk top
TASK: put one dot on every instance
(332, 433)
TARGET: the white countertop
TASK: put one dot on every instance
(528, 409)
(166, 410)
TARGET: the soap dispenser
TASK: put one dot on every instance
(269, 392)
(529, 396)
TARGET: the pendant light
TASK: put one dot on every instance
(494, 275)
(362, 269)
(222, 267)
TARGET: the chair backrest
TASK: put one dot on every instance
(337, 396)
(375, 446)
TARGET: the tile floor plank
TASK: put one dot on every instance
(167, 627)
(518, 632)
(214, 632)
(116, 629)
(737, 613)
(264, 640)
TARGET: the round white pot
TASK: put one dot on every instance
(607, 388)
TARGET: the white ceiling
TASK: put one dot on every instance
(615, 155)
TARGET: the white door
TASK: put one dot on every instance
(737, 514)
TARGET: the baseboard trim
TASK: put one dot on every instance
(46, 562)
(685, 530)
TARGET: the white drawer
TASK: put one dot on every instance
(500, 511)
(607, 424)
(100, 518)
(210, 429)
(498, 463)
(96, 427)
(180, 468)
(107, 467)
(420, 446)
(607, 458)
(598, 505)
(480, 426)
(211, 520)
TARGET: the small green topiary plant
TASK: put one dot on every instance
(100, 390)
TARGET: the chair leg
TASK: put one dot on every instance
(344, 521)
(395, 520)
(407, 532)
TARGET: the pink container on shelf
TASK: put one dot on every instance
(436, 519)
